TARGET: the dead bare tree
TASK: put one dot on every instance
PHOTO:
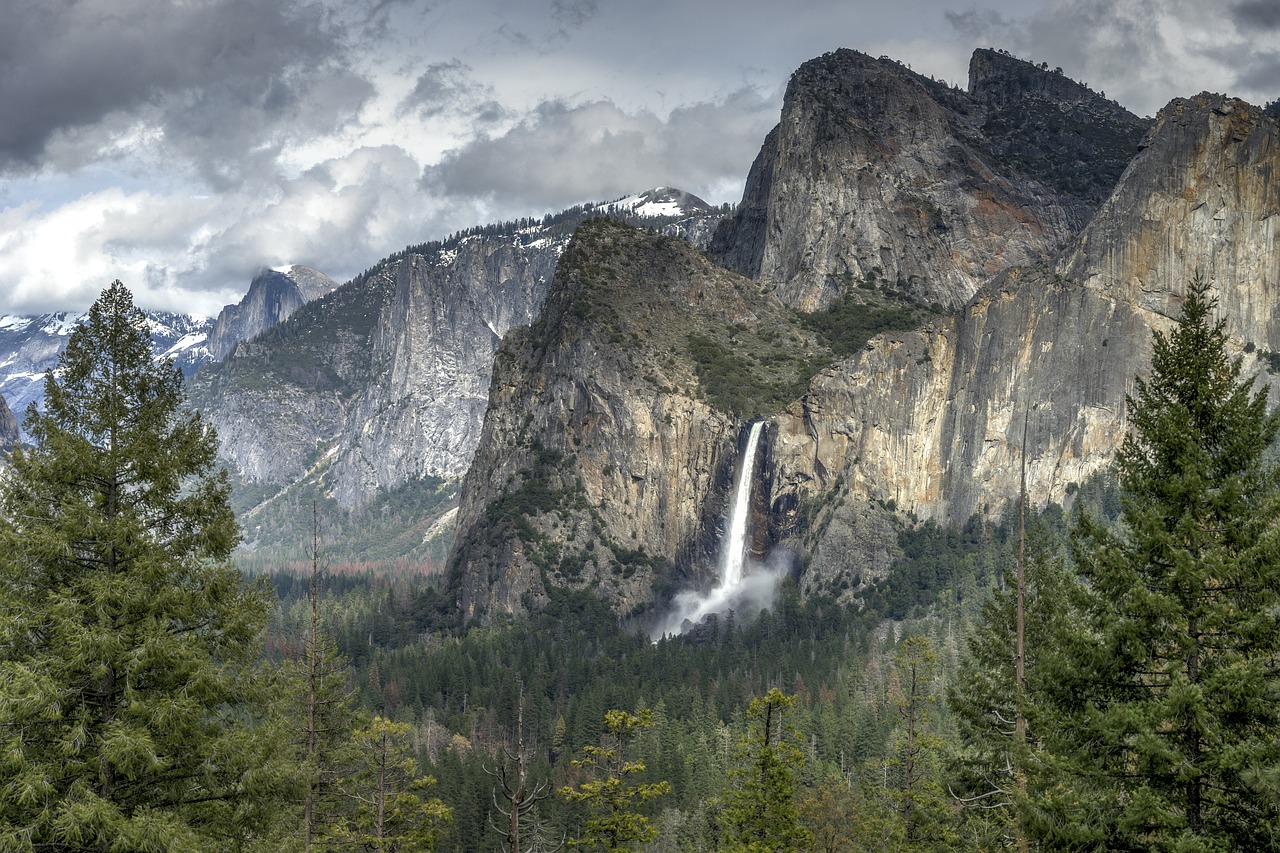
(521, 831)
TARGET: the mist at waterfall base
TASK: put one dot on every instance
(746, 585)
(755, 591)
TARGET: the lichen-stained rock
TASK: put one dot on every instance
(933, 420)
(877, 173)
(609, 442)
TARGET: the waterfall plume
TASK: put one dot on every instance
(745, 585)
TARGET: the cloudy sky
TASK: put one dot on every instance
(182, 145)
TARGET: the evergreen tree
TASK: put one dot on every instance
(614, 802)
(990, 761)
(387, 808)
(919, 815)
(328, 715)
(760, 813)
(1165, 714)
(128, 645)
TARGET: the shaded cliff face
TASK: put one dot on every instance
(933, 420)
(876, 173)
(8, 426)
(273, 296)
(431, 351)
(605, 458)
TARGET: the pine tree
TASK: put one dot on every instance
(614, 802)
(128, 645)
(991, 758)
(387, 803)
(918, 805)
(329, 715)
(1166, 714)
(760, 812)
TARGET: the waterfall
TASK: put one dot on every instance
(739, 589)
(734, 549)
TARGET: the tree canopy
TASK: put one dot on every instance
(1162, 711)
(129, 647)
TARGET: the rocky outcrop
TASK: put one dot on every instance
(606, 455)
(273, 296)
(933, 421)
(8, 426)
(878, 174)
(1045, 125)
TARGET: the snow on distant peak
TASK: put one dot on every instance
(185, 343)
(285, 269)
(12, 323)
(60, 324)
(659, 202)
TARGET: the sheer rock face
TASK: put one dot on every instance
(876, 173)
(8, 426)
(601, 464)
(383, 380)
(432, 350)
(929, 422)
(274, 295)
(933, 420)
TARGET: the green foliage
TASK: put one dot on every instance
(934, 559)
(989, 762)
(919, 808)
(131, 700)
(387, 805)
(760, 813)
(613, 802)
(1164, 720)
(853, 319)
(747, 374)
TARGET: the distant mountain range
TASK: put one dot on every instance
(30, 345)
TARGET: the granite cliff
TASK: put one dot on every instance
(582, 457)
(932, 421)
(381, 385)
(877, 174)
(610, 438)
(272, 297)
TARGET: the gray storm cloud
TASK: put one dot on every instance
(217, 77)
(565, 153)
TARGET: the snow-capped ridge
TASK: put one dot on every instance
(658, 203)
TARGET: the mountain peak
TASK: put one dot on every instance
(659, 203)
(1000, 79)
